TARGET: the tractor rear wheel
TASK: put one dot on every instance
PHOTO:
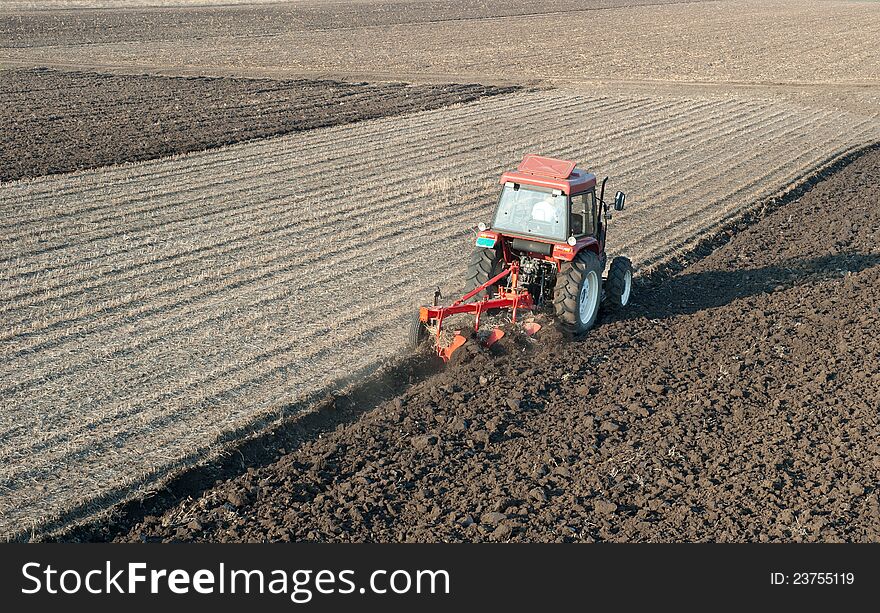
(578, 292)
(483, 265)
(417, 332)
(620, 280)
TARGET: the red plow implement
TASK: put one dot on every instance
(510, 297)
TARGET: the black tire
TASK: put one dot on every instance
(569, 292)
(619, 284)
(483, 265)
(417, 332)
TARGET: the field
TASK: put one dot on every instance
(272, 237)
(687, 426)
(819, 52)
(146, 117)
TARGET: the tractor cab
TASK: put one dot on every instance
(547, 199)
(548, 207)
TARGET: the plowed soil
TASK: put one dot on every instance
(54, 122)
(736, 400)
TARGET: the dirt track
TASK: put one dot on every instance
(54, 122)
(736, 401)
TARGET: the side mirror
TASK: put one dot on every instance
(619, 199)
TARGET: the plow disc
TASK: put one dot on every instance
(446, 352)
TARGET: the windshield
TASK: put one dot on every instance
(531, 210)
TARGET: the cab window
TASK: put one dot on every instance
(529, 210)
(583, 214)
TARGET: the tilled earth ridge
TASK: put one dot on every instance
(737, 401)
(46, 116)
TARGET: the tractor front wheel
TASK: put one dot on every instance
(578, 292)
(483, 265)
(620, 280)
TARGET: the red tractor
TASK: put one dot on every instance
(546, 246)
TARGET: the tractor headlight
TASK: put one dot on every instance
(572, 241)
(482, 227)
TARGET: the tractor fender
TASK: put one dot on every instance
(567, 253)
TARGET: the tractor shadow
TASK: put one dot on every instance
(687, 293)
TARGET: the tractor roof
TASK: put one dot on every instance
(550, 172)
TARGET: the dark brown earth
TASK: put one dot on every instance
(53, 122)
(737, 400)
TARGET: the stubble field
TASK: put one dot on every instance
(155, 311)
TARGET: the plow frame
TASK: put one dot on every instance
(511, 297)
